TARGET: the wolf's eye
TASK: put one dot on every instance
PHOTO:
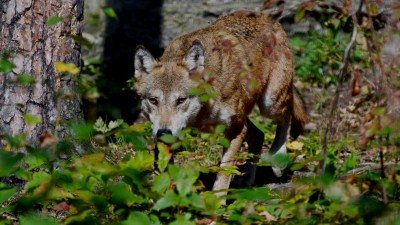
(153, 100)
(180, 100)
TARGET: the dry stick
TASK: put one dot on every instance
(341, 75)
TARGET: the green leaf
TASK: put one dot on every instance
(5, 65)
(155, 220)
(195, 91)
(121, 195)
(38, 179)
(226, 170)
(184, 187)
(137, 218)
(183, 220)
(220, 129)
(100, 202)
(176, 173)
(224, 142)
(34, 219)
(277, 160)
(170, 199)
(85, 217)
(164, 156)
(142, 161)
(196, 201)
(212, 202)
(168, 138)
(52, 21)
(138, 140)
(95, 164)
(8, 162)
(6, 192)
(93, 19)
(255, 194)
(351, 211)
(204, 98)
(35, 160)
(351, 162)
(161, 183)
(82, 130)
(183, 178)
(25, 79)
(380, 111)
(81, 40)
(56, 193)
(281, 160)
(384, 131)
(32, 120)
(335, 22)
(23, 174)
(298, 166)
(301, 12)
(176, 145)
(110, 12)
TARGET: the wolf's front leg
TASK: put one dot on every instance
(228, 159)
(254, 138)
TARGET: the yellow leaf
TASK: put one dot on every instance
(66, 67)
(373, 11)
(139, 127)
(295, 145)
(60, 67)
(7, 147)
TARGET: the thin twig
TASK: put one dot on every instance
(341, 74)
(367, 167)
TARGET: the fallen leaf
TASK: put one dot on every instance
(62, 206)
(268, 217)
(295, 145)
(203, 221)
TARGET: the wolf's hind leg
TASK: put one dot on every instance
(277, 107)
(279, 144)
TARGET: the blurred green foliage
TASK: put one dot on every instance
(99, 189)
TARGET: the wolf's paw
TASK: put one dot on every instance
(278, 171)
(278, 161)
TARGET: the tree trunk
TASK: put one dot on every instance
(34, 47)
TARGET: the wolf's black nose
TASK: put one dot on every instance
(162, 132)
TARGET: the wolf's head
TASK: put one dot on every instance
(163, 87)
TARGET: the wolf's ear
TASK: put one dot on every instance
(194, 58)
(144, 61)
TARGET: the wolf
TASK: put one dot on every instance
(246, 59)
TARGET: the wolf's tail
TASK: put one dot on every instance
(299, 115)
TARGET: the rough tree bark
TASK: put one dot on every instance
(34, 47)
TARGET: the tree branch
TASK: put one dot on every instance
(341, 74)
